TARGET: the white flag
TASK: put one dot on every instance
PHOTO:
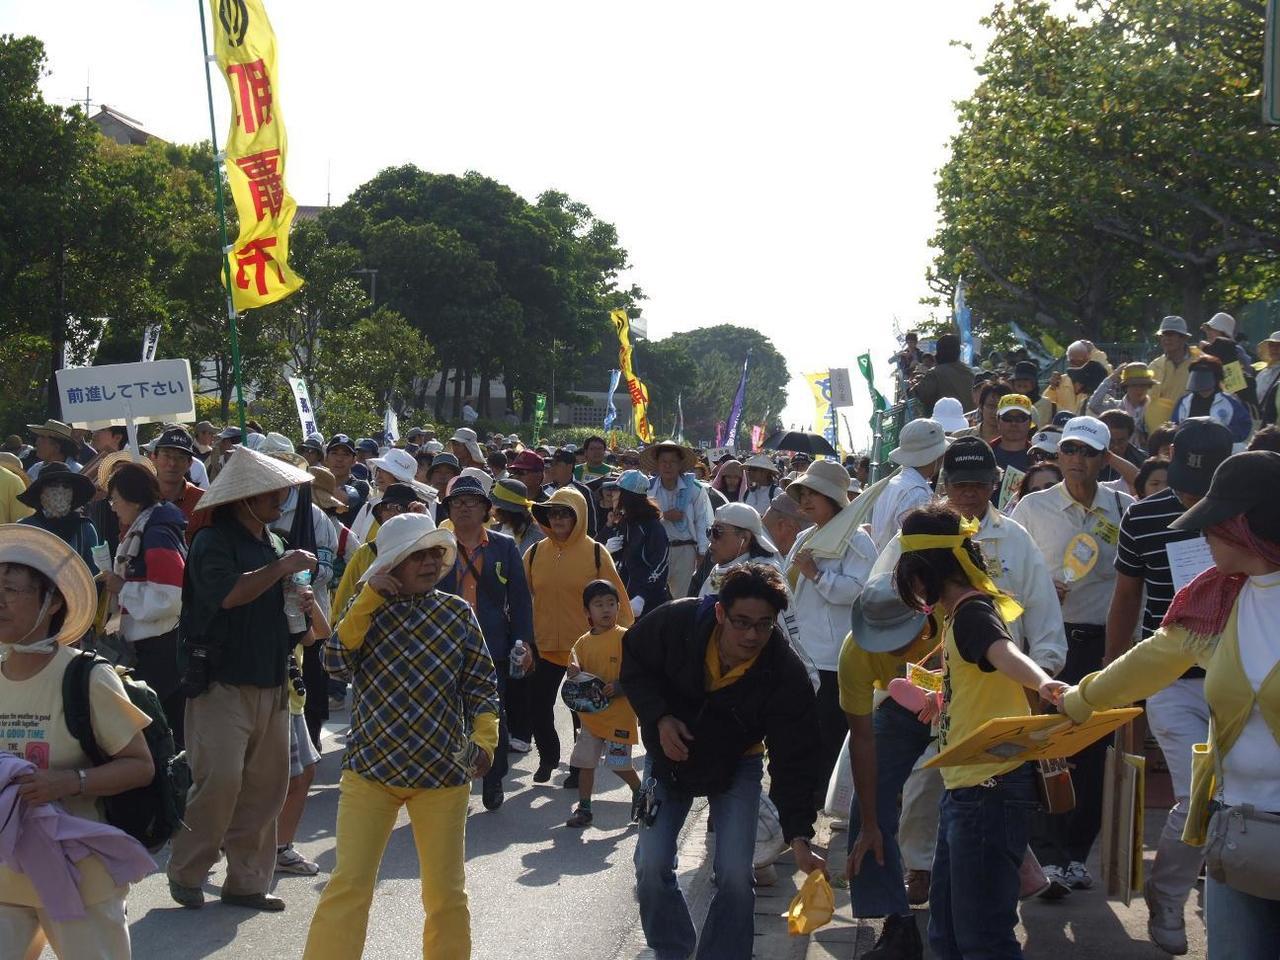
(150, 342)
(390, 427)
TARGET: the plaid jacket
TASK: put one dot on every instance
(419, 680)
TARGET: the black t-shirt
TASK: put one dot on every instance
(976, 626)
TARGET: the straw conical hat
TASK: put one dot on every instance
(46, 552)
(248, 473)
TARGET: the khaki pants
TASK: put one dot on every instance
(682, 561)
(102, 934)
(238, 748)
(367, 813)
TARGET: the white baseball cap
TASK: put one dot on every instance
(745, 517)
(1046, 440)
(1088, 430)
(401, 464)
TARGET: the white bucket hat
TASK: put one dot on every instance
(948, 412)
(1224, 323)
(401, 464)
(761, 461)
(745, 517)
(921, 442)
(825, 477)
(404, 534)
(47, 552)
(248, 473)
(468, 438)
(276, 443)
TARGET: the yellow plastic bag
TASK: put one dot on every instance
(812, 907)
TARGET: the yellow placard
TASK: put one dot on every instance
(1233, 380)
(256, 148)
(1039, 737)
(1079, 558)
(1009, 485)
(924, 678)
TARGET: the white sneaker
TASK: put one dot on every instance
(519, 746)
(1077, 876)
(1166, 925)
(1058, 886)
(290, 860)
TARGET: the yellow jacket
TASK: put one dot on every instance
(11, 508)
(349, 585)
(1158, 661)
(1171, 384)
(558, 572)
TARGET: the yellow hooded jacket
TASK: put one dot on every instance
(558, 572)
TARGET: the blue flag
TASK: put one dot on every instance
(735, 412)
(612, 413)
(964, 321)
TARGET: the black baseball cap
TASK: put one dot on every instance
(1025, 370)
(341, 440)
(970, 460)
(229, 433)
(1063, 417)
(1201, 444)
(1243, 484)
(367, 445)
(401, 493)
(564, 456)
(176, 438)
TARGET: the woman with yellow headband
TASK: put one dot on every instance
(984, 819)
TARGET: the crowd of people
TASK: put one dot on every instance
(1070, 544)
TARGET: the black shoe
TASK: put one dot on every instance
(899, 940)
(635, 806)
(254, 901)
(493, 797)
(571, 781)
(542, 774)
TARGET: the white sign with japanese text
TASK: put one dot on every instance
(302, 399)
(142, 392)
(841, 388)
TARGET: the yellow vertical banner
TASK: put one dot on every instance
(255, 155)
(820, 384)
(638, 391)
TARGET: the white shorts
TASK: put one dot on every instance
(302, 752)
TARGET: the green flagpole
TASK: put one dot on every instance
(222, 225)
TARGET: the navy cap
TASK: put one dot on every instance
(341, 440)
(1242, 484)
(176, 438)
(365, 445)
(1200, 445)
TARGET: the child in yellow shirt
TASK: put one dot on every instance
(607, 734)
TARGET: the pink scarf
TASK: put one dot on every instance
(1204, 605)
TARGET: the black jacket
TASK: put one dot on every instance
(664, 672)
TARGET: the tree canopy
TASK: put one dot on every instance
(1112, 168)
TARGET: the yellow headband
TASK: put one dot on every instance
(1009, 608)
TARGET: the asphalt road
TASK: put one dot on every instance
(537, 888)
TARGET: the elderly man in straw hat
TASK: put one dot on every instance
(55, 443)
(237, 639)
(425, 722)
(685, 506)
(47, 602)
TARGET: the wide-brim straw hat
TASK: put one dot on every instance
(11, 463)
(761, 461)
(323, 487)
(825, 477)
(47, 552)
(52, 428)
(248, 473)
(82, 488)
(404, 534)
(112, 460)
(649, 456)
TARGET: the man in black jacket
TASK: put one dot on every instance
(714, 683)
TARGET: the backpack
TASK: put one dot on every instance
(150, 814)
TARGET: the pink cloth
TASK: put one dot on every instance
(45, 843)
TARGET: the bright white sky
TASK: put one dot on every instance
(766, 165)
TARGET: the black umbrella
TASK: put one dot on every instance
(798, 442)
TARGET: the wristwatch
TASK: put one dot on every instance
(84, 778)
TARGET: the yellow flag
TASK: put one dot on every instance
(635, 387)
(246, 49)
(820, 384)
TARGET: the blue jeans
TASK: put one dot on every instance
(973, 896)
(876, 890)
(729, 931)
(1240, 924)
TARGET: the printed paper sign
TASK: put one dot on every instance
(1187, 560)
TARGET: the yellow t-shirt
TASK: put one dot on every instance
(33, 726)
(11, 508)
(862, 673)
(600, 654)
(971, 694)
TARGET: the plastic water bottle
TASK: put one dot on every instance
(292, 609)
(518, 651)
(102, 557)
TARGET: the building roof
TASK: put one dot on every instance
(122, 128)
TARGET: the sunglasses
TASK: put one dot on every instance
(1077, 450)
(716, 532)
(557, 513)
(1015, 418)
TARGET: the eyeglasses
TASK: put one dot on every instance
(747, 625)
(560, 513)
(466, 503)
(1077, 450)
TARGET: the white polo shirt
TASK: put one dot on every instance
(906, 490)
(1053, 518)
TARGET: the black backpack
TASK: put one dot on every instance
(150, 814)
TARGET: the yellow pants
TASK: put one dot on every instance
(367, 813)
